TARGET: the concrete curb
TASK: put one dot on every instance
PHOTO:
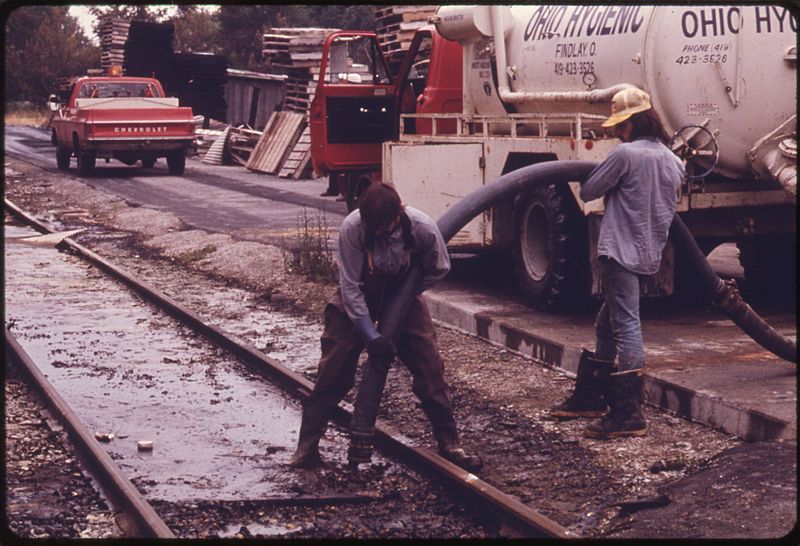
(698, 405)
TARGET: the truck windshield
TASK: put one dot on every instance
(355, 59)
(106, 90)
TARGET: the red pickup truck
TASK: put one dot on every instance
(125, 118)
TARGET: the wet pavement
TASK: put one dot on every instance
(698, 363)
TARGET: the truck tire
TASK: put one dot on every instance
(62, 158)
(86, 163)
(356, 184)
(176, 162)
(549, 249)
(149, 163)
(770, 269)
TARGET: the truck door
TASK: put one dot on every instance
(430, 77)
(353, 110)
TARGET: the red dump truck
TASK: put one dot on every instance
(120, 117)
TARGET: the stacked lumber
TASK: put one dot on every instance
(299, 52)
(395, 27)
(148, 52)
(295, 47)
(113, 36)
(280, 135)
(301, 83)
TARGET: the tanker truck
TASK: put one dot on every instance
(537, 83)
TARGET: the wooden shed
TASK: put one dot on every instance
(252, 97)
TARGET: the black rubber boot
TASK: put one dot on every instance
(625, 396)
(307, 454)
(312, 427)
(587, 399)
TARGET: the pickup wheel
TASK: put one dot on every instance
(86, 163)
(62, 158)
(149, 163)
(549, 249)
(176, 162)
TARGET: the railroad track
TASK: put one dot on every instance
(515, 518)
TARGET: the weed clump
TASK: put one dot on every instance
(309, 254)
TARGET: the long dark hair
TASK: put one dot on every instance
(648, 124)
(379, 205)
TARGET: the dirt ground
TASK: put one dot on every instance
(681, 480)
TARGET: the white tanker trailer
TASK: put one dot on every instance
(537, 83)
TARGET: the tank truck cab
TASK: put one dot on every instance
(357, 104)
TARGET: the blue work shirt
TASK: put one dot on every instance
(389, 256)
(640, 181)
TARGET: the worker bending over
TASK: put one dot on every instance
(377, 244)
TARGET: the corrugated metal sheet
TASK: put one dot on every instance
(216, 152)
(279, 136)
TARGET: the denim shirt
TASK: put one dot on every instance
(389, 257)
(640, 181)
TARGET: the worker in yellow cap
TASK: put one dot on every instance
(640, 180)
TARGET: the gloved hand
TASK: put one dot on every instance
(381, 349)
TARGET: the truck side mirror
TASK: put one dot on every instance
(52, 103)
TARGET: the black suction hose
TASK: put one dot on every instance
(723, 295)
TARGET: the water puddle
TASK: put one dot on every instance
(218, 431)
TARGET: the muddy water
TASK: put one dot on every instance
(219, 432)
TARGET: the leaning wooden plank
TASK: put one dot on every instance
(282, 135)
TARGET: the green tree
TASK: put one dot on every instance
(196, 30)
(353, 17)
(242, 27)
(43, 43)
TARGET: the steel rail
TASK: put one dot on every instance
(520, 520)
(137, 518)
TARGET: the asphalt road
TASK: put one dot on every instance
(208, 197)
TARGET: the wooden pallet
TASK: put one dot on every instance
(279, 136)
(294, 47)
(389, 11)
(395, 29)
(298, 162)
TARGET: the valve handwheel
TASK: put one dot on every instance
(689, 143)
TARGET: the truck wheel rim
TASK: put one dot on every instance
(534, 242)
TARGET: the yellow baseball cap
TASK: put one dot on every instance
(626, 103)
